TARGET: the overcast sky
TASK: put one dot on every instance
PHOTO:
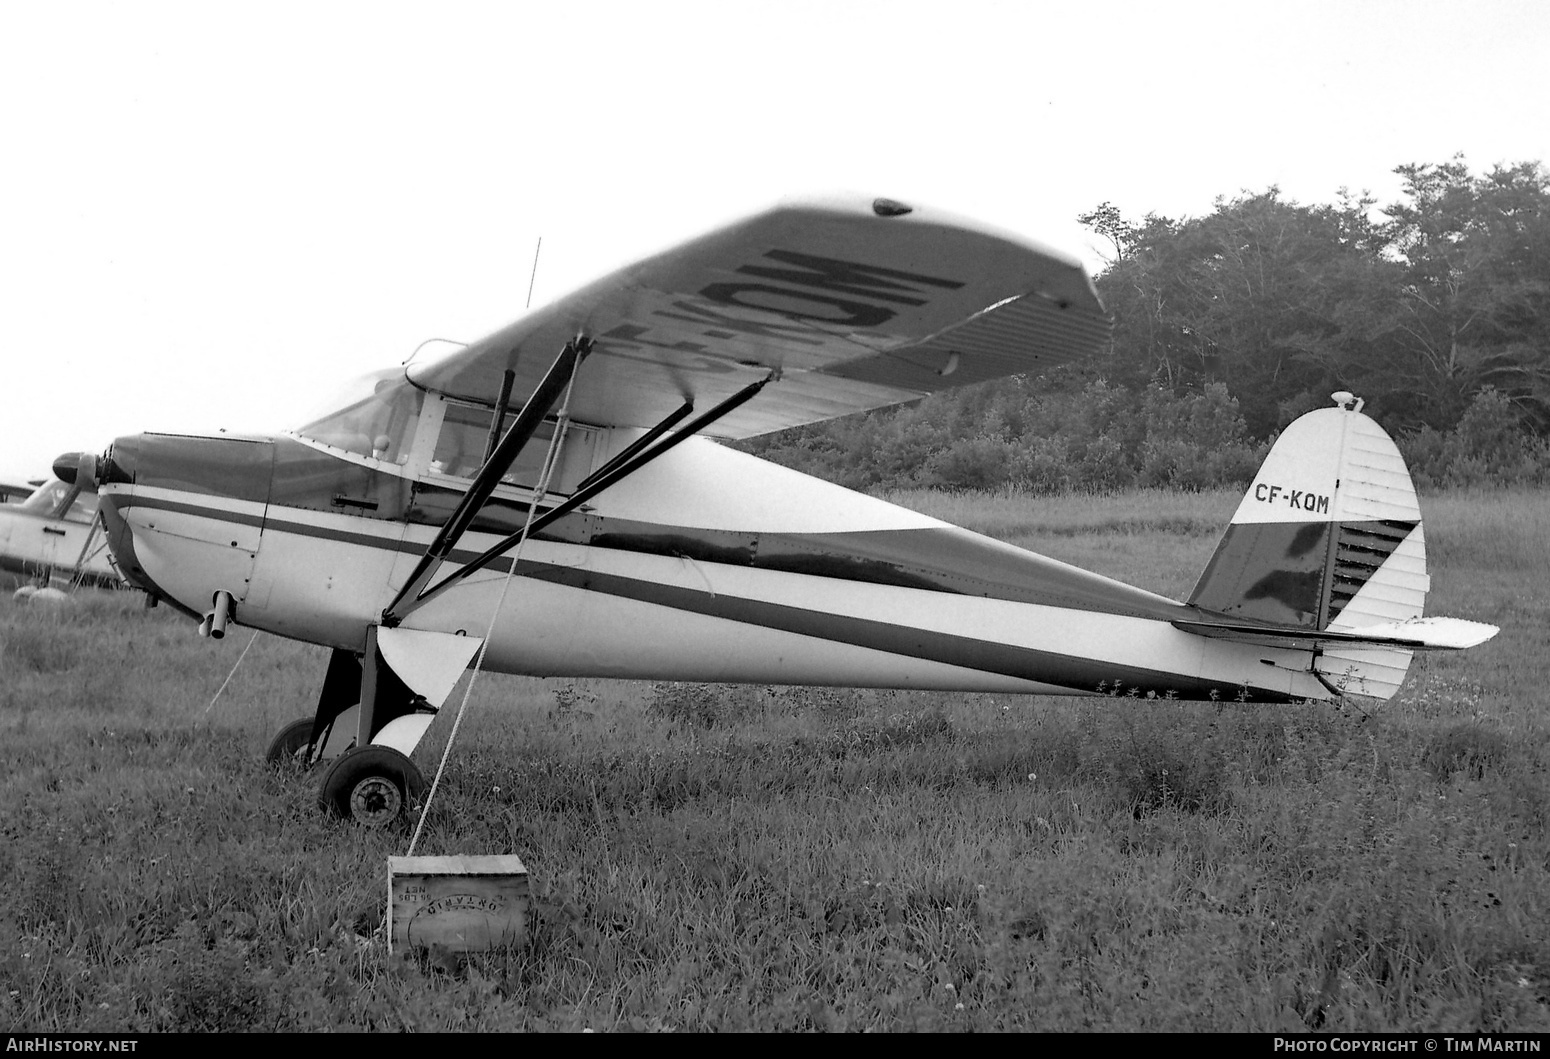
(213, 214)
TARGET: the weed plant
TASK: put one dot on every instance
(749, 858)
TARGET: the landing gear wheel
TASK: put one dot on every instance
(371, 785)
(290, 745)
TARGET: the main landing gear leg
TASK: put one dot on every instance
(307, 741)
(374, 782)
(366, 725)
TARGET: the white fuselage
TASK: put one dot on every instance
(706, 565)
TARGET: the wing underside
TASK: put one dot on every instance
(852, 308)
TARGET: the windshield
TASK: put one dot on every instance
(374, 416)
(45, 499)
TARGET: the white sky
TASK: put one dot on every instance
(213, 214)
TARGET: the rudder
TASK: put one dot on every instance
(1328, 537)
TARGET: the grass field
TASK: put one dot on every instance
(730, 858)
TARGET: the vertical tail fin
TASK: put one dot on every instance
(1328, 536)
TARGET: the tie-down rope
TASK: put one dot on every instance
(233, 672)
(561, 427)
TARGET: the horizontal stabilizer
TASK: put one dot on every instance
(1414, 633)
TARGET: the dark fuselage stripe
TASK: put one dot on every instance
(1024, 663)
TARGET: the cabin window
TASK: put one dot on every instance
(465, 434)
(60, 500)
(376, 416)
(45, 500)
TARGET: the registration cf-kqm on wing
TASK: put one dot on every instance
(557, 494)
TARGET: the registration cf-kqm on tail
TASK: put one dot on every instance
(556, 499)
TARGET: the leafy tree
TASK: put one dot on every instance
(1035, 435)
(1473, 308)
(1418, 312)
(1486, 447)
(1436, 309)
(1258, 295)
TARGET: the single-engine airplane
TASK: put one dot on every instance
(16, 492)
(55, 532)
(603, 530)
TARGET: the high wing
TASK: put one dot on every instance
(854, 305)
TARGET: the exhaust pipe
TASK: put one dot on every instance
(214, 623)
(224, 607)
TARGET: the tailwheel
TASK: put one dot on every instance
(371, 785)
(289, 747)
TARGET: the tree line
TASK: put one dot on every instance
(1434, 308)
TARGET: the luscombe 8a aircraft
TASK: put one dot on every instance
(559, 490)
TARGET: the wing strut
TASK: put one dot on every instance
(88, 553)
(487, 478)
(639, 443)
(622, 466)
(501, 407)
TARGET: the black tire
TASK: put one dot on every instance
(289, 747)
(371, 785)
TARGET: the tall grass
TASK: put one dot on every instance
(794, 858)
